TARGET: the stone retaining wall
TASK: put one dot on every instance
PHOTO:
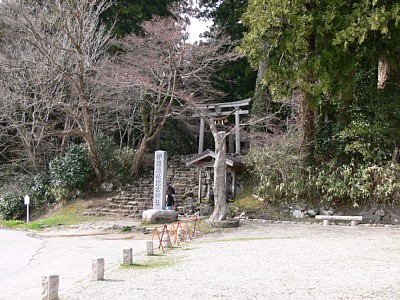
(135, 198)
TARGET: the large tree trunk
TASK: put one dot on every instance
(219, 186)
(89, 137)
(139, 157)
(395, 155)
(383, 71)
(307, 122)
(94, 157)
(152, 125)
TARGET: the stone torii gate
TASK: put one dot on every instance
(220, 110)
(233, 108)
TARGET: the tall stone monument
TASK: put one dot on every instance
(160, 179)
(157, 214)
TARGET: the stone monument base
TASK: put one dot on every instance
(225, 223)
(159, 216)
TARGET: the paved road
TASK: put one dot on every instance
(271, 261)
(26, 257)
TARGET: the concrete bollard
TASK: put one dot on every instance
(325, 222)
(197, 233)
(181, 234)
(354, 223)
(50, 287)
(127, 256)
(166, 241)
(149, 248)
(97, 269)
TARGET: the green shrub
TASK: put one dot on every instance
(279, 171)
(12, 197)
(123, 163)
(39, 189)
(59, 193)
(71, 173)
(11, 205)
(116, 163)
(359, 184)
(12, 194)
(232, 210)
(348, 184)
(365, 141)
(105, 148)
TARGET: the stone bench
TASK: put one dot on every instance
(354, 219)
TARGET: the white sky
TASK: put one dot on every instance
(196, 28)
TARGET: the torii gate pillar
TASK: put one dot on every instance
(237, 130)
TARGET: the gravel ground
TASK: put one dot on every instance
(262, 261)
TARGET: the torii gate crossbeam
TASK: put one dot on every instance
(218, 106)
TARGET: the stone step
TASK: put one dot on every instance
(130, 211)
(127, 197)
(133, 202)
(130, 200)
(124, 208)
(117, 214)
(183, 172)
(133, 199)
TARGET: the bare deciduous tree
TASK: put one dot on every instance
(152, 64)
(69, 40)
(167, 70)
(24, 98)
(119, 114)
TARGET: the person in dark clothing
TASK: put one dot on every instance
(170, 197)
(170, 201)
(171, 190)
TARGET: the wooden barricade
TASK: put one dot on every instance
(175, 226)
(186, 229)
(190, 233)
(196, 227)
(181, 232)
(161, 232)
